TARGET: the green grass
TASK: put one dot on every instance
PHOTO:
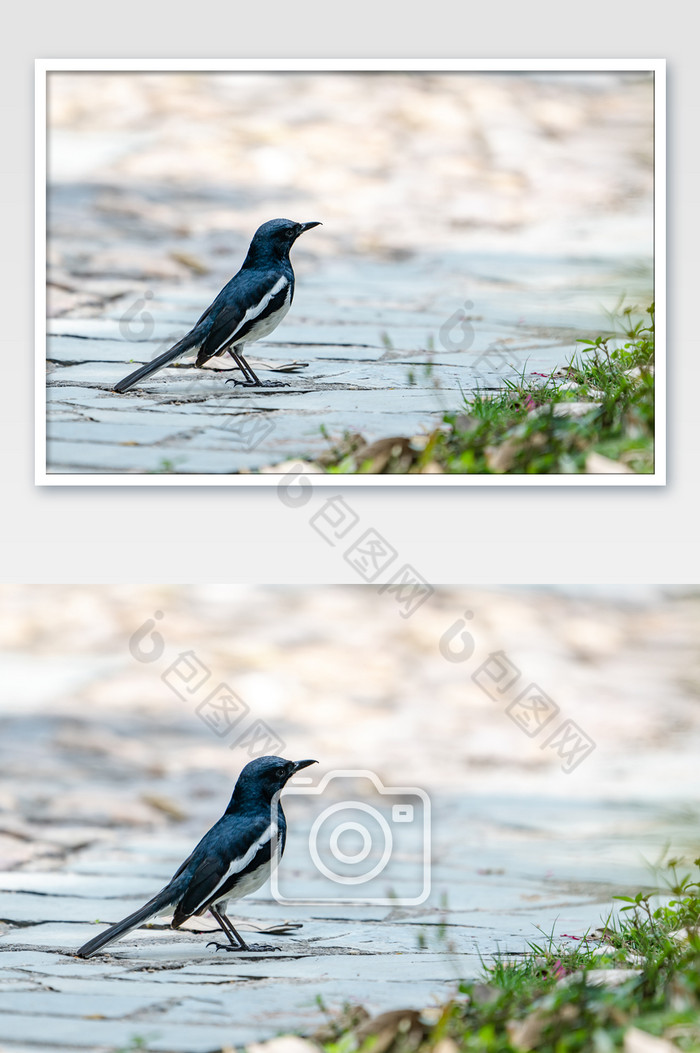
(601, 405)
(138, 1042)
(553, 998)
(166, 466)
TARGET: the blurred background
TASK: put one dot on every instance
(96, 735)
(162, 176)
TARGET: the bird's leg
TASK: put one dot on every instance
(226, 925)
(250, 378)
(228, 929)
(237, 944)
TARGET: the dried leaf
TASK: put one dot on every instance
(637, 1041)
(384, 1029)
(224, 365)
(395, 451)
(293, 468)
(446, 1045)
(597, 464)
(288, 367)
(346, 1020)
(283, 1044)
(525, 1034)
(164, 805)
(501, 458)
(190, 261)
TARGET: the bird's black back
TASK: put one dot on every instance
(247, 288)
(202, 879)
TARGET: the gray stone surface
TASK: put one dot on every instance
(371, 370)
(531, 876)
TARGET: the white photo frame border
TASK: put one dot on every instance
(655, 66)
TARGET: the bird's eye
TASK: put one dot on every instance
(280, 773)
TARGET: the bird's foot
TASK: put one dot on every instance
(256, 948)
(257, 384)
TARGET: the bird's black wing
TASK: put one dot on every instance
(235, 846)
(248, 297)
(203, 884)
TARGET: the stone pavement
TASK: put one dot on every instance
(504, 873)
(389, 349)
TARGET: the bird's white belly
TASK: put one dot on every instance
(265, 327)
(253, 881)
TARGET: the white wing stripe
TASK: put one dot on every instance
(253, 312)
(236, 865)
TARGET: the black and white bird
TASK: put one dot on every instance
(248, 307)
(232, 860)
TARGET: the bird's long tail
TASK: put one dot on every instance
(193, 339)
(157, 905)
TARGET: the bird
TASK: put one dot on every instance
(232, 860)
(249, 306)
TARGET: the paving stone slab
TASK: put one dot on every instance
(68, 349)
(60, 884)
(89, 396)
(115, 434)
(377, 342)
(110, 1002)
(66, 1032)
(150, 460)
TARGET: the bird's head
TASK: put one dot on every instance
(276, 237)
(263, 777)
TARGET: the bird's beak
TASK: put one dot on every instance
(298, 765)
(302, 228)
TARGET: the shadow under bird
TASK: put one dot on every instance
(248, 307)
(232, 860)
